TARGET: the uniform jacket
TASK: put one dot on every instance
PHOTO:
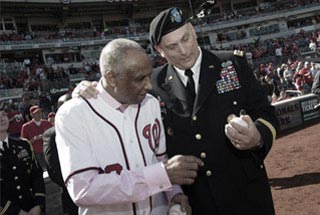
(53, 167)
(231, 181)
(22, 185)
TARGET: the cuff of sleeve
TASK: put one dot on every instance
(267, 131)
(176, 189)
(40, 200)
(9, 208)
(157, 178)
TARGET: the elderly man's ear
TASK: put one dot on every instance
(111, 79)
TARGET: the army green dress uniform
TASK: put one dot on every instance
(231, 182)
(22, 184)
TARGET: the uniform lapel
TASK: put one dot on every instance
(174, 85)
(209, 74)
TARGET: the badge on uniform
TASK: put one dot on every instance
(23, 153)
(229, 79)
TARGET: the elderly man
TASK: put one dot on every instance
(112, 149)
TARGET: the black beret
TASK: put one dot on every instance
(166, 22)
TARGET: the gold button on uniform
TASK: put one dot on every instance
(14, 167)
(198, 136)
(203, 155)
(194, 118)
(170, 131)
(235, 102)
(20, 197)
(18, 187)
(208, 173)
(16, 178)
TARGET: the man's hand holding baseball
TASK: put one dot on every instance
(243, 137)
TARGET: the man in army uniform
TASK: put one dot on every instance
(233, 180)
(22, 185)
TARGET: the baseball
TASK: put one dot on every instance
(176, 210)
(237, 120)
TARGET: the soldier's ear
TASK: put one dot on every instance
(160, 50)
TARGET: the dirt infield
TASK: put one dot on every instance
(293, 167)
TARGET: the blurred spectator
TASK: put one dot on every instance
(27, 64)
(288, 77)
(15, 120)
(283, 96)
(307, 76)
(313, 45)
(51, 117)
(313, 69)
(26, 104)
(268, 86)
(33, 131)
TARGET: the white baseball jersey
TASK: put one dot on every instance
(110, 160)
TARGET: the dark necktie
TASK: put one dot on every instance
(190, 86)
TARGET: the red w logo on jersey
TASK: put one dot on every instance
(152, 134)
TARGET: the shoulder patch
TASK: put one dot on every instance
(238, 53)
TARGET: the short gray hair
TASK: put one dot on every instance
(113, 56)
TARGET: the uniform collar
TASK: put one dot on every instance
(195, 69)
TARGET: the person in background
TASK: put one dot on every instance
(51, 116)
(53, 165)
(28, 102)
(22, 185)
(198, 92)
(112, 149)
(33, 131)
(15, 120)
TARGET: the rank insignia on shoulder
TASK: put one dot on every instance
(238, 53)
